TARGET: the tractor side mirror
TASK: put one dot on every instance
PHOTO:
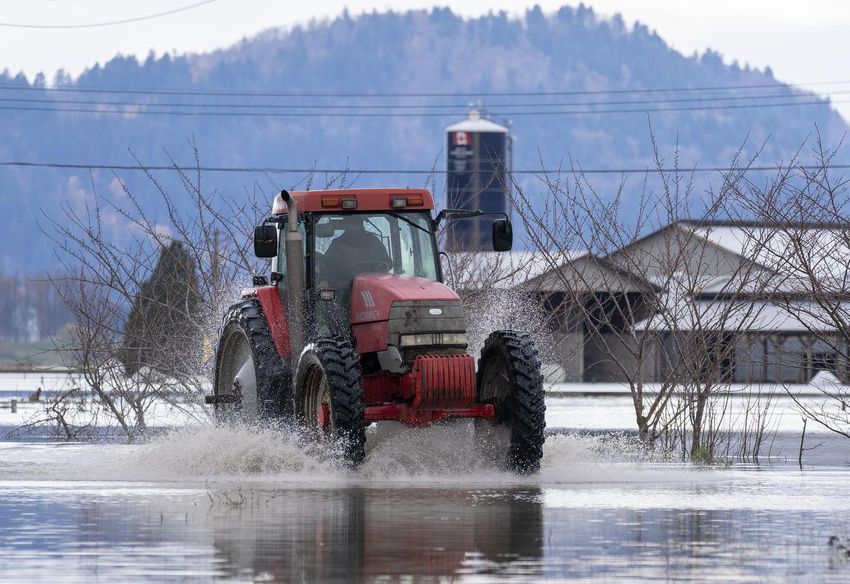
(503, 235)
(265, 241)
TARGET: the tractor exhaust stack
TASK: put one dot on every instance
(295, 274)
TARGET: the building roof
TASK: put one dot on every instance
(535, 271)
(584, 272)
(745, 237)
(476, 123)
(476, 270)
(793, 252)
(788, 256)
(778, 272)
(741, 315)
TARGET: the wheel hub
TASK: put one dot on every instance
(324, 416)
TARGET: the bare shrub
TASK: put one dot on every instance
(70, 414)
(107, 271)
(806, 240)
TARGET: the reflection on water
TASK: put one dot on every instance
(355, 533)
(360, 533)
(286, 536)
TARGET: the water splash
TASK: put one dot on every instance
(226, 451)
(441, 454)
(498, 309)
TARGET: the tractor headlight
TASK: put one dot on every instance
(433, 339)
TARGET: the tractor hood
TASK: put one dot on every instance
(373, 295)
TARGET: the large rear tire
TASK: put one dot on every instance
(329, 397)
(509, 377)
(247, 363)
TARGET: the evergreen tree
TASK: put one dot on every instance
(164, 314)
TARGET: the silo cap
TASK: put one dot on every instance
(476, 123)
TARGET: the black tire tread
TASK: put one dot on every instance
(274, 379)
(341, 365)
(526, 407)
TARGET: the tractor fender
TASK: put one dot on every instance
(275, 315)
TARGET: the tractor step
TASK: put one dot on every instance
(225, 398)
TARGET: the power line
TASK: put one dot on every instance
(283, 170)
(467, 94)
(675, 108)
(108, 23)
(389, 114)
(338, 106)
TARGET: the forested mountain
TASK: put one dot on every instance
(422, 52)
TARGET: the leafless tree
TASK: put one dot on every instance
(661, 314)
(109, 247)
(807, 241)
(708, 312)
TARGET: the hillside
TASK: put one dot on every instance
(415, 52)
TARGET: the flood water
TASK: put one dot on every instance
(252, 505)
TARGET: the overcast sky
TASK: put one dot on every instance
(802, 42)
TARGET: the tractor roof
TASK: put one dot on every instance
(367, 200)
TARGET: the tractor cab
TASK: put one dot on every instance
(372, 242)
(345, 235)
(350, 232)
(363, 264)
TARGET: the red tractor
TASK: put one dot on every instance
(357, 327)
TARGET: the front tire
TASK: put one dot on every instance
(247, 363)
(509, 377)
(329, 397)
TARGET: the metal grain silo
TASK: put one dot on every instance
(478, 170)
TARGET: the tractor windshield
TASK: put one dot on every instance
(367, 243)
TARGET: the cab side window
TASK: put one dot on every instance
(279, 266)
(279, 263)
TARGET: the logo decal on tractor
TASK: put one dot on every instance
(368, 315)
(367, 298)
